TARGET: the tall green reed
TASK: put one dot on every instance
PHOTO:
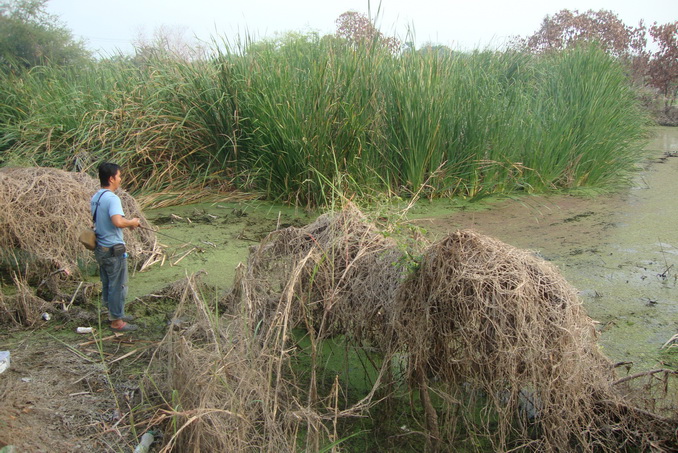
(309, 108)
(590, 123)
(113, 110)
(291, 116)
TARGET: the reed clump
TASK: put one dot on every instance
(295, 117)
(496, 343)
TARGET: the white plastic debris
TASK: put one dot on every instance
(145, 444)
(4, 361)
(84, 330)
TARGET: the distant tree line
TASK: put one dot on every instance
(657, 69)
(29, 36)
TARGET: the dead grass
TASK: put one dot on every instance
(23, 308)
(43, 210)
(503, 330)
(497, 345)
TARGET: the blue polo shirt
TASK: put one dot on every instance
(109, 205)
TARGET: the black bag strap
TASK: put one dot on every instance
(96, 207)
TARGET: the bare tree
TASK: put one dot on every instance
(567, 28)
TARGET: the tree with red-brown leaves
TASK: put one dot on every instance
(567, 28)
(358, 29)
(663, 65)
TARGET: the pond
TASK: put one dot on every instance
(619, 249)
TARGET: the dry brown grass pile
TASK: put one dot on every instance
(508, 336)
(43, 210)
(23, 308)
(234, 377)
(498, 348)
(218, 384)
(335, 275)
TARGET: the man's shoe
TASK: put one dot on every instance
(126, 318)
(126, 327)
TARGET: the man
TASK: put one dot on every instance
(110, 250)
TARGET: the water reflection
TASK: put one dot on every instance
(665, 139)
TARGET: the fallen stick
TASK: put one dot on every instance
(124, 356)
(183, 256)
(671, 340)
(79, 393)
(87, 343)
(94, 351)
(73, 298)
(79, 354)
(150, 263)
(644, 373)
(83, 378)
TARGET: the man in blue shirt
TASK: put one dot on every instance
(110, 250)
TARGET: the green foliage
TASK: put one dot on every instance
(305, 119)
(29, 37)
(589, 123)
(308, 111)
(145, 119)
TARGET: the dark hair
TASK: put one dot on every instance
(106, 170)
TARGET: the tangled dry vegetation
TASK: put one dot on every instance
(43, 210)
(497, 346)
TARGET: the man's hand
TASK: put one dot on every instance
(121, 222)
(134, 223)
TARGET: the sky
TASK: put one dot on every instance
(109, 26)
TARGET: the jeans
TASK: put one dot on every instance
(113, 273)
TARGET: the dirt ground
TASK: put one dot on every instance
(67, 392)
(58, 397)
(73, 392)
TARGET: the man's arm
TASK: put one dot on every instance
(121, 222)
